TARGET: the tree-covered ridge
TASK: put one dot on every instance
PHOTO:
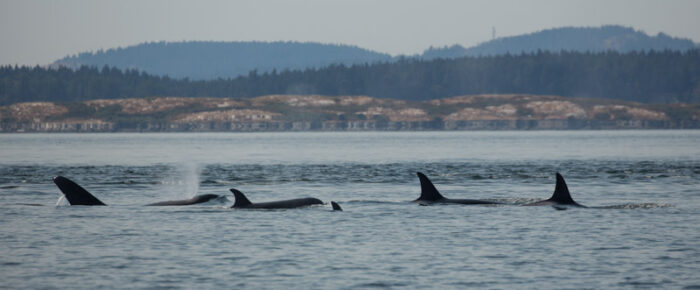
(581, 39)
(647, 77)
(210, 60)
(207, 60)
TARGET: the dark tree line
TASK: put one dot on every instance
(649, 77)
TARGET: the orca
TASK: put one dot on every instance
(74, 193)
(202, 198)
(560, 197)
(77, 195)
(429, 194)
(243, 202)
(336, 206)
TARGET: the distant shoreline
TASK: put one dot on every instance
(302, 113)
(354, 126)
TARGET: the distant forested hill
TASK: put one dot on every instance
(647, 77)
(199, 60)
(581, 39)
(210, 60)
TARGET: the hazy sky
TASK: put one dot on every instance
(41, 31)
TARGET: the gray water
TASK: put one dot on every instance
(647, 237)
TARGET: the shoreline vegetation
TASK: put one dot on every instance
(540, 90)
(272, 113)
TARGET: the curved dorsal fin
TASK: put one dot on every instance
(561, 192)
(241, 200)
(428, 192)
(74, 193)
(336, 206)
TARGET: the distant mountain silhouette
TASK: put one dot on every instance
(211, 60)
(581, 39)
(201, 60)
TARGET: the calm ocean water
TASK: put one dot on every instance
(648, 238)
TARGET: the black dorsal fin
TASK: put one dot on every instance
(74, 193)
(428, 192)
(561, 192)
(241, 200)
(336, 206)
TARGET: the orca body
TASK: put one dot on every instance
(77, 195)
(243, 202)
(429, 194)
(561, 197)
(195, 200)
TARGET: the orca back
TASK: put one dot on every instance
(243, 202)
(74, 193)
(285, 204)
(194, 200)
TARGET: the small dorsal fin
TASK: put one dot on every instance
(428, 192)
(336, 206)
(241, 200)
(74, 193)
(561, 192)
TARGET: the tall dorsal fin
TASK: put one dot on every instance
(428, 192)
(241, 200)
(74, 193)
(561, 192)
